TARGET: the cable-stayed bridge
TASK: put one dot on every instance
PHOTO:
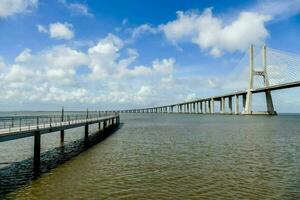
(267, 69)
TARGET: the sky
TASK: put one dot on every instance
(110, 54)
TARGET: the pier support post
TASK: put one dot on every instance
(86, 132)
(37, 151)
(104, 125)
(62, 132)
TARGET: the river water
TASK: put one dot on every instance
(165, 156)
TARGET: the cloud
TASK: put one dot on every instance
(58, 30)
(24, 56)
(2, 63)
(143, 29)
(77, 8)
(54, 75)
(277, 8)
(12, 7)
(42, 29)
(211, 34)
(57, 64)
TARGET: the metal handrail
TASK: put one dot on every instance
(42, 121)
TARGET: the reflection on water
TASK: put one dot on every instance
(161, 156)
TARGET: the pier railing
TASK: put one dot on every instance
(22, 123)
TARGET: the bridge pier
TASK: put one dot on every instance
(212, 106)
(236, 110)
(230, 104)
(201, 108)
(222, 105)
(244, 102)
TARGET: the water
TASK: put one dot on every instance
(175, 156)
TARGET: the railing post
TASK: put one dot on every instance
(37, 122)
(87, 114)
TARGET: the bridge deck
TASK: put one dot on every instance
(258, 90)
(27, 131)
(219, 98)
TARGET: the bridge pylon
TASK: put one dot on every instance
(264, 74)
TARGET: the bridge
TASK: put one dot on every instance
(276, 69)
(16, 127)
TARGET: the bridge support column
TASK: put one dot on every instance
(230, 104)
(212, 111)
(248, 107)
(37, 151)
(205, 107)
(222, 105)
(270, 106)
(201, 108)
(244, 102)
(236, 110)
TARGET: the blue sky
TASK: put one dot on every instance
(123, 54)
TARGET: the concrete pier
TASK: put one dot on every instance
(23, 130)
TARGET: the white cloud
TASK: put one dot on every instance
(42, 29)
(104, 57)
(58, 30)
(18, 73)
(12, 7)
(142, 29)
(61, 31)
(77, 8)
(2, 63)
(24, 56)
(80, 8)
(277, 8)
(57, 64)
(211, 34)
(53, 75)
(164, 66)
